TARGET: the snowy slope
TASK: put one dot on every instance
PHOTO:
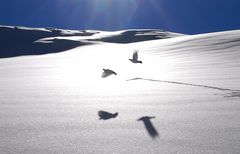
(190, 84)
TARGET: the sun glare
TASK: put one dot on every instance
(114, 13)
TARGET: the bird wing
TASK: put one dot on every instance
(135, 55)
(113, 72)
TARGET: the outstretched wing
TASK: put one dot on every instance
(135, 55)
(113, 72)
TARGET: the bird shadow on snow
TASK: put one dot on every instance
(149, 126)
(104, 115)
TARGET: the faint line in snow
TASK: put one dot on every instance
(233, 94)
(182, 83)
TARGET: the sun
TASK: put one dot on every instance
(112, 14)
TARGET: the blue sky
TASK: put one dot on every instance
(183, 16)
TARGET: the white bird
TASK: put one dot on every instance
(135, 58)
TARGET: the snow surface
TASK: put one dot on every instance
(190, 84)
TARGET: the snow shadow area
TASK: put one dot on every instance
(132, 36)
(17, 42)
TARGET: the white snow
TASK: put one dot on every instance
(191, 84)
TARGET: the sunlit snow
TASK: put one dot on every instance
(190, 83)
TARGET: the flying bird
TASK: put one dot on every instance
(135, 58)
(104, 115)
(107, 72)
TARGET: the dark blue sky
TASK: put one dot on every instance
(183, 16)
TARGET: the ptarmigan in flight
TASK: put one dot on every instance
(107, 72)
(135, 58)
